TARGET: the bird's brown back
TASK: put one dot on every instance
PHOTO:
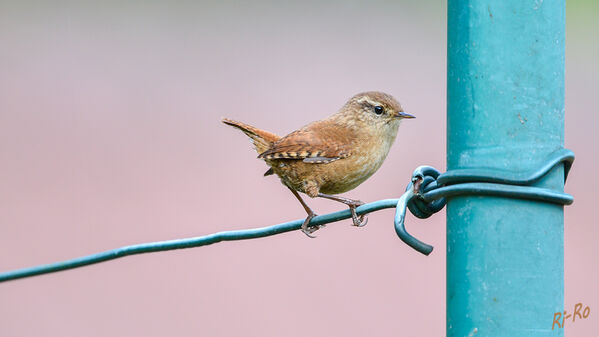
(320, 141)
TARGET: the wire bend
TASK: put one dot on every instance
(427, 192)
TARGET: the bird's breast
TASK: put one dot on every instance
(346, 174)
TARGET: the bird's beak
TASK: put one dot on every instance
(401, 114)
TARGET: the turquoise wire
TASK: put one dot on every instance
(431, 200)
(160, 246)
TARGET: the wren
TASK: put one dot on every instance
(333, 155)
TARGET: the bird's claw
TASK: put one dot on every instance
(363, 221)
(307, 229)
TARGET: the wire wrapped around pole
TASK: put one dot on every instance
(427, 192)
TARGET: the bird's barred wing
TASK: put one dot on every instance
(315, 143)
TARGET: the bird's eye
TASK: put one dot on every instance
(378, 109)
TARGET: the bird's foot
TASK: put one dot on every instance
(359, 221)
(307, 229)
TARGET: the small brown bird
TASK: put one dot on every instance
(333, 155)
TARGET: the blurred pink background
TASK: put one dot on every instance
(110, 135)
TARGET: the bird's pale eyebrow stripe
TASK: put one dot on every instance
(368, 100)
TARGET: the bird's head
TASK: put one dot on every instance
(373, 109)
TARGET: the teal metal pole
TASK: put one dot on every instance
(505, 257)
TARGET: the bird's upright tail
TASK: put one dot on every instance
(261, 139)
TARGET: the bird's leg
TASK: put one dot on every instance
(359, 221)
(306, 228)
